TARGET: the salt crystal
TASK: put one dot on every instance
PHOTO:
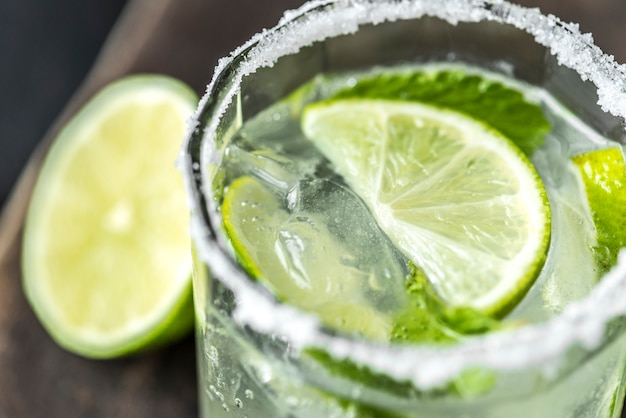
(426, 367)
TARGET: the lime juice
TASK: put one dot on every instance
(395, 215)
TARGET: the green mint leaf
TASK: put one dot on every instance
(427, 319)
(489, 101)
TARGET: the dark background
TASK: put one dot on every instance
(47, 47)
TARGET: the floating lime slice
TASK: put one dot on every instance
(298, 259)
(459, 199)
(106, 253)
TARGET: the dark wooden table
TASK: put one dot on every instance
(182, 38)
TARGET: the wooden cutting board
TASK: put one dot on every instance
(182, 38)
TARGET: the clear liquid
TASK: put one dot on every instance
(272, 148)
(240, 379)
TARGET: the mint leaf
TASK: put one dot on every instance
(468, 384)
(489, 101)
(366, 377)
(426, 319)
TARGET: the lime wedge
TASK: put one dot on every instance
(459, 199)
(603, 175)
(106, 252)
(298, 259)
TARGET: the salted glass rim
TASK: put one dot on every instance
(581, 322)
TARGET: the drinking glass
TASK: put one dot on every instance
(261, 358)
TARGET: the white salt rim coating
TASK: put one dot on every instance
(581, 322)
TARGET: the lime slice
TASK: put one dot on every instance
(298, 259)
(603, 175)
(459, 199)
(106, 253)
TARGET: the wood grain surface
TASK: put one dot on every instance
(182, 38)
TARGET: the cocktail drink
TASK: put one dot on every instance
(411, 209)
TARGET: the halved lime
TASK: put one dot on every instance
(106, 252)
(458, 198)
